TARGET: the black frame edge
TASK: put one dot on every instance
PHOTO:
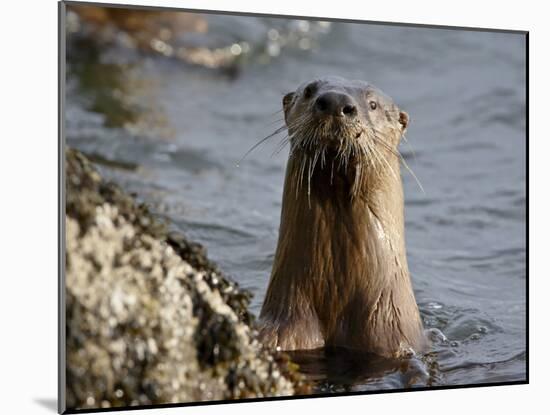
(527, 207)
(61, 329)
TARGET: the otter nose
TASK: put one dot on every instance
(335, 104)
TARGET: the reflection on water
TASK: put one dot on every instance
(340, 370)
(116, 90)
(171, 127)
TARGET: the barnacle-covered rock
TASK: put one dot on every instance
(150, 319)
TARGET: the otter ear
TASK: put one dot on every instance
(287, 99)
(403, 120)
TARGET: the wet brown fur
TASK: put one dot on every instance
(340, 275)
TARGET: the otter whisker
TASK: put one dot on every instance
(302, 170)
(274, 122)
(357, 180)
(281, 146)
(340, 153)
(312, 164)
(402, 159)
(412, 174)
(263, 140)
(410, 147)
(388, 164)
(377, 155)
(309, 184)
(276, 112)
(374, 157)
(385, 145)
(347, 155)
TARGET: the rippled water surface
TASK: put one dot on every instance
(465, 94)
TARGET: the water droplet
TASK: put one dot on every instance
(236, 49)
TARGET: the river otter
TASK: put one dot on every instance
(340, 275)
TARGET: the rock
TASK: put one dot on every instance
(150, 320)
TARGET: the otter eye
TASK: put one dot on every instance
(373, 105)
(308, 91)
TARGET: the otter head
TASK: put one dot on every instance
(333, 111)
(350, 122)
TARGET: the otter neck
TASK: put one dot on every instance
(348, 192)
(338, 253)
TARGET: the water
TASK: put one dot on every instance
(465, 94)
